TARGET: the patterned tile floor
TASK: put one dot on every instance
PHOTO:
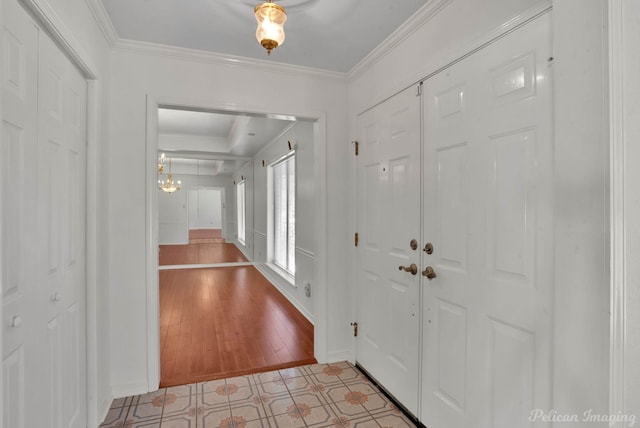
(315, 396)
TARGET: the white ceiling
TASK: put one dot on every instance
(324, 34)
(226, 141)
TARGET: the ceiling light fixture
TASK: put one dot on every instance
(169, 185)
(271, 18)
(161, 164)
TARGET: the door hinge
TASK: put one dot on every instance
(355, 329)
(355, 144)
(419, 89)
(356, 239)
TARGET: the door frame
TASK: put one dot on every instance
(151, 221)
(49, 21)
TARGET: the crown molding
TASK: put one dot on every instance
(104, 21)
(417, 20)
(147, 48)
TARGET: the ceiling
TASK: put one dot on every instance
(222, 142)
(332, 35)
(324, 34)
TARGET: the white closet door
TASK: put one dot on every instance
(61, 228)
(488, 210)
(22, 311)
(43, 192)
(388, 219)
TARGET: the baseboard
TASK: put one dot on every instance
(127, 390)
(341, 355)
(275, 279)
(103, 409)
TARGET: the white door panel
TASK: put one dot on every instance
(43, 167)
(62, 141)
(21, 311)
(389, 218)
(488, 212)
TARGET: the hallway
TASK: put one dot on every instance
(226, 321)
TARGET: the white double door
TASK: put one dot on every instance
(472, 346)
(43, 229)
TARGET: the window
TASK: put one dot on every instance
(284, 213)
(241, 211)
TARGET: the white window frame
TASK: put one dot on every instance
(241, 211)
(286, 270)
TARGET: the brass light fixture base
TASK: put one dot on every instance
(269, 45)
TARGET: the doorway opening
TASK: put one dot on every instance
(223, 310)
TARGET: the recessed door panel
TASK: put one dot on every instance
(452, 354)
(452, 206)
(14, 167)
(512, 374)
(371, 232)
(512, 207)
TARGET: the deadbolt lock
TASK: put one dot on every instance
(414, 244)
(428, 248)
(429, 272)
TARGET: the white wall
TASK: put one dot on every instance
(301, 138)
(581, 345)
(170, 80)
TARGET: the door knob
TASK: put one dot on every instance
(411, 268)
(428, 248)
(429, 272)
(16, 321)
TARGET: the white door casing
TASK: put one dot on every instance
(488, 192)
(388, 170)
(44, 157)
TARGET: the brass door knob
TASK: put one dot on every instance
(429, 272)
(411, 268)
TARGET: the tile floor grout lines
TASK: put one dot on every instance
(315, 396)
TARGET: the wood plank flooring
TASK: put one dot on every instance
(224, 322)
(206, 246)
(191, 254)
(206, 236)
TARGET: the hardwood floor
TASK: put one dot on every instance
(223, 322)
(206, 246)
(191, 254)
(206, 236)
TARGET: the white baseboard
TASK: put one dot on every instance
(341, 355)
(129, 389)
(103, 409)
(275, 279)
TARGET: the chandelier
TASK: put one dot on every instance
(271, 18)
(167, 185)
